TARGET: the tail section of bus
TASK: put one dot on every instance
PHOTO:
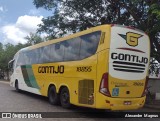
(122, 86)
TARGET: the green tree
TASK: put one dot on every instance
(77, 15)
(1, 57)
(6, 56)
(70, 16)
(33, 38)
(1, 49)
(7, 53)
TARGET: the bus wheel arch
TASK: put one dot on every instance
(53, 96)
(64, 97)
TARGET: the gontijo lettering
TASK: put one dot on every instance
(51, 69)
(128, 57)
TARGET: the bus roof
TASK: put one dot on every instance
(75, 35)
(64, 38)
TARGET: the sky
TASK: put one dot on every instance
(18, 18)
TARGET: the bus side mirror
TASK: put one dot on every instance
(10, 64)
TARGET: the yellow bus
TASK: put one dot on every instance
(104, 67)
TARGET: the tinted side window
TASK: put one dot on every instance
(36, 56)
(20, 60)
(72, 48)
(31, 57)
(57, 52)
(44, 53)
(26, 58)
(69, 50)
(52, 52)
(40, 56)
(89, 44)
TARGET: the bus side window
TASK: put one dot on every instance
(37, 55)
(21, 60)
(57, 46)
(89, 44)
(52, 54)
(45, 55)
(32, 56)
(57, 52)
(72, 48)
(26, 58)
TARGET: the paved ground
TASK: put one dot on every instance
(12, 101)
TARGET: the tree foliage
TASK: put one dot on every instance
(33, 38)
(8, 51)
(70, 16)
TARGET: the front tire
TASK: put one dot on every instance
(53, 96)
(65, 98)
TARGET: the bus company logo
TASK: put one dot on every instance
(131, 38)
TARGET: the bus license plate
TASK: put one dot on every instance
(127, 103)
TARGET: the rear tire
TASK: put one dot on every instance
(65, 98)
(53, 96)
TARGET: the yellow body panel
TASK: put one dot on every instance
(70, 77)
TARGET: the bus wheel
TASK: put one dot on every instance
(65, 98)
(53, 96)
(17, 86)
